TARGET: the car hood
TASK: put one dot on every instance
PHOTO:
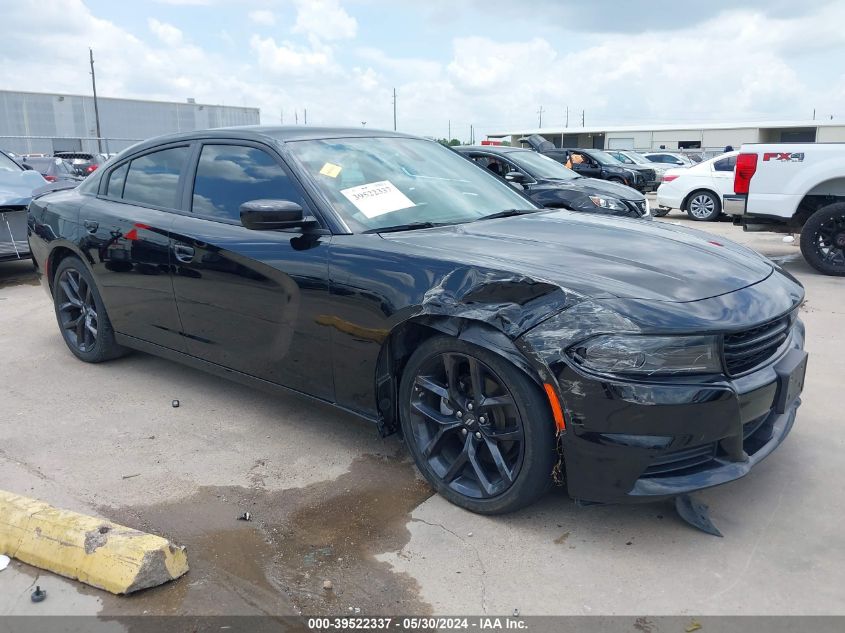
(599, 257)
(16, 186)
(594, 186)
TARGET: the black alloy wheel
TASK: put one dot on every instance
(81, 315)
(823, 240)
(77, 310)
(464, 419)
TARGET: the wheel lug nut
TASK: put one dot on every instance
(460, 414)
(469, 406)
(464, 431)
(477, 435)
(482, 420)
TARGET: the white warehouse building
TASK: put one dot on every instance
(705, 136)
(34, 122)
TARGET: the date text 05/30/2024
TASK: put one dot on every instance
(413, 624)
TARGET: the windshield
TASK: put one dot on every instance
(638, 158)
(539, 166)
(604, 158)
(7, 164)
(376, 183)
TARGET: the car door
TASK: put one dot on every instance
(127, 239)
(251, 300)
(722, 172)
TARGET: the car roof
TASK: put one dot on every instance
(277, 133)
(493, 149)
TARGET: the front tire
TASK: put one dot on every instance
(479, 429)
(704, 206)
(81, 315)
(823, 240)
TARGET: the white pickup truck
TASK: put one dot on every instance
(792, 188)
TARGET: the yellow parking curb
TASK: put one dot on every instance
(97, 552)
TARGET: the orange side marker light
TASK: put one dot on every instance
(557, 412)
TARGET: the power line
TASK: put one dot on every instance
(394, 109)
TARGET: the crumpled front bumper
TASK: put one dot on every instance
(629, 442)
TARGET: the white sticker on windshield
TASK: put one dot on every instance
(377, 198)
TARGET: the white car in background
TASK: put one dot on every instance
(698, 190)
(670, 159)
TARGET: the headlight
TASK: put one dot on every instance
(608, 203)
(648, 355)
(647, 208)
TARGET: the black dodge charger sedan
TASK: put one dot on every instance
(391, 277)
(551, 185)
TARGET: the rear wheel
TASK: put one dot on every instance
(82, 317)
(704, 206)
(478, 428)
(823, 239)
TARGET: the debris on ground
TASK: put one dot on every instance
(788, 239)
(38, 595)
(694, 625)
(4, 561)
(246, 516)
(516, 613)
(175, 404)
(131, 476)
(469, 533)
(327, 585)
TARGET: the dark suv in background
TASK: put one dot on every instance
(594, 163)
(550, 184)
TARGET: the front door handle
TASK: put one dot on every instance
(91, 225)
(183, 253)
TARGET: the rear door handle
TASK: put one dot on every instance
(91, 225)
(183, 253)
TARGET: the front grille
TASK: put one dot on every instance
(747, 349)
(636, 205)
(649, 175)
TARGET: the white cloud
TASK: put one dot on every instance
(167, 33)
(324, 20)
(288, 58)
(262, 17)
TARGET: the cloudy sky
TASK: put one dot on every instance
(491, 63)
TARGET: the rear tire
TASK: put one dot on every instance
(479, 429)
(704, 206)
(823, 240)
(83, 321)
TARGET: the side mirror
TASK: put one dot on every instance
(266, 215)
(516, 176)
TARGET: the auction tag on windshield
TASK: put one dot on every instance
(331, 170)
(377, 198)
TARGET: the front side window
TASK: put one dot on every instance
(229, 175)
(380, 182)
(153, 179)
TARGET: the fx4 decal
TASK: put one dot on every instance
(791, 157)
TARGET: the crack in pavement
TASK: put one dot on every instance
(475, 551)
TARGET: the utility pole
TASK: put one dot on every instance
(814, 114)
(471, 135)
(296, 117)
(450, 131)
(305, 115)
(582, 118)
(394, 109)
(540, 115)
(567, 116)
(96, 107)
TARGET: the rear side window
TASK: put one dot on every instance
(153, 179)
(229, 175)
(725, 164)
(114, 186)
